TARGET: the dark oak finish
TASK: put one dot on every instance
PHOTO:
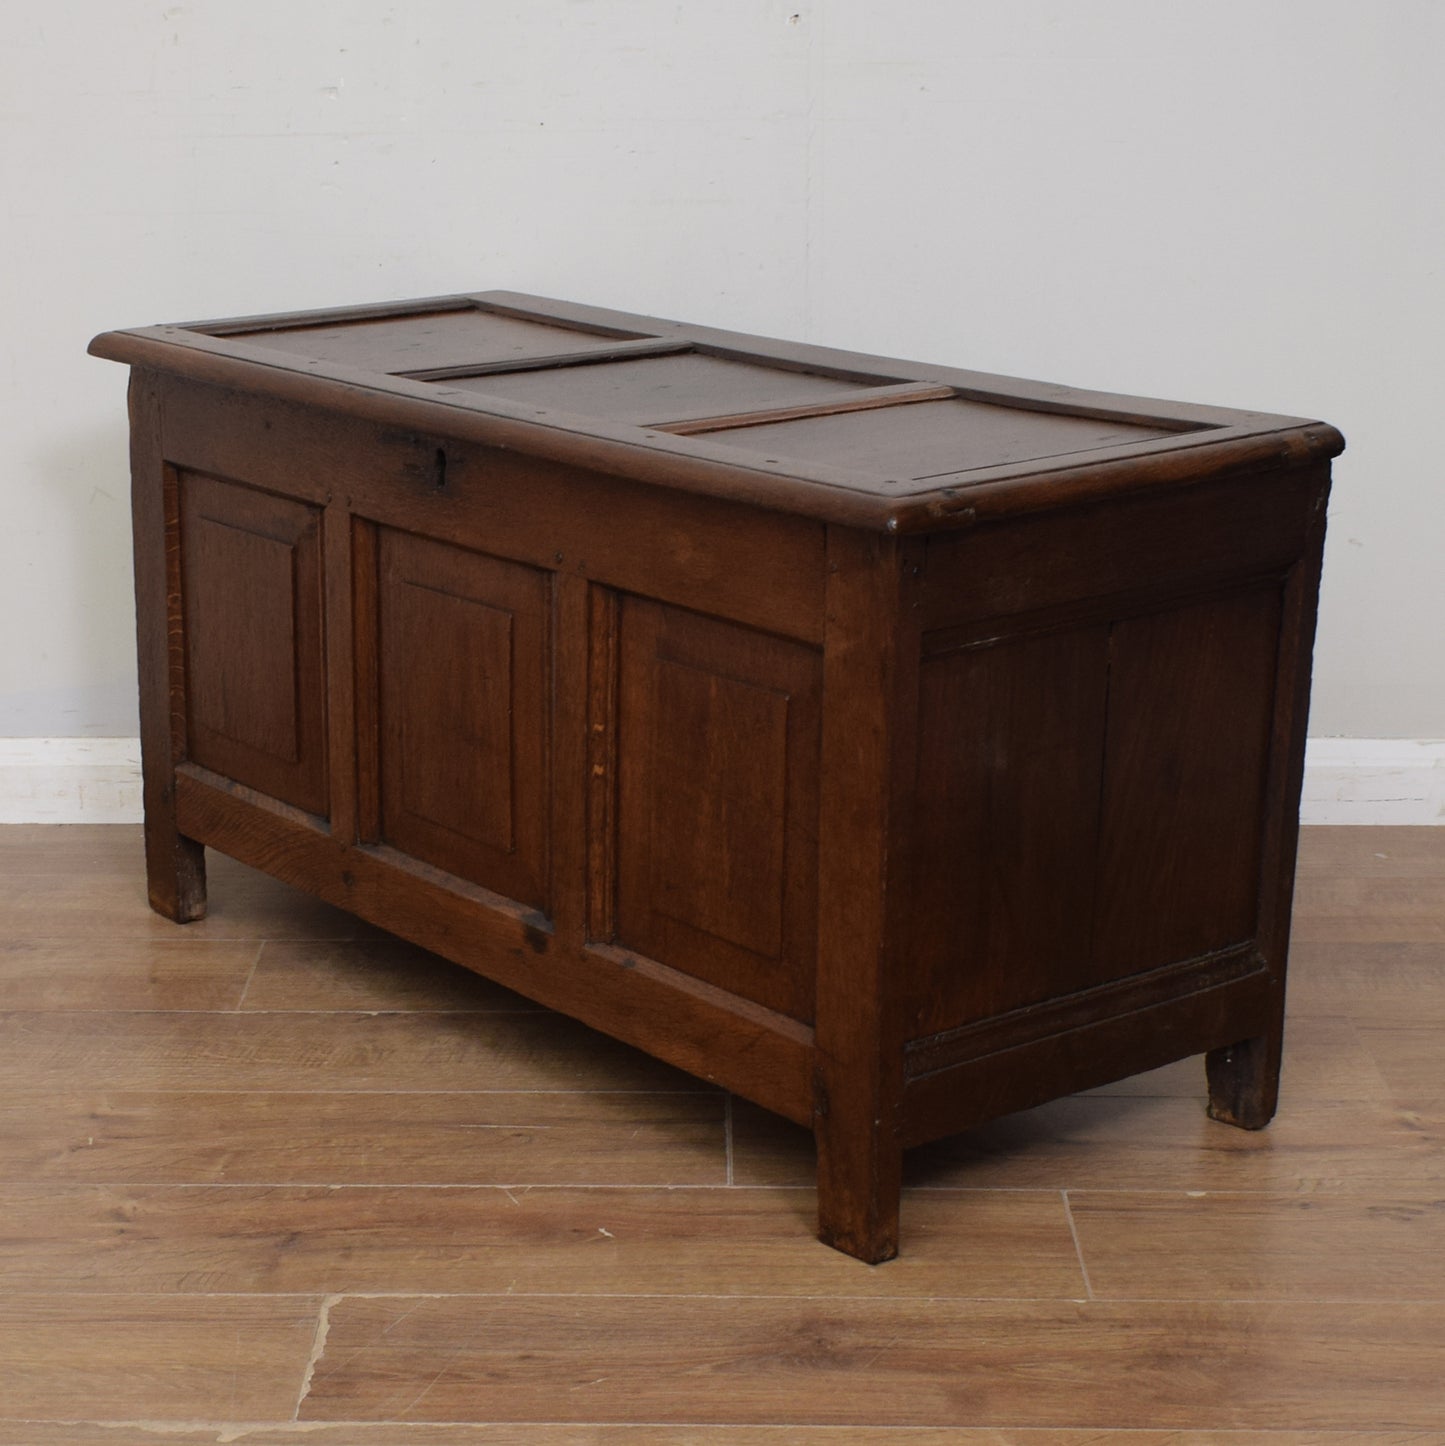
(462, 672)
(894, 745)
(255, 679)
(175, 863)
(717, 816)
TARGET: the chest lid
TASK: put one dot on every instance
(872, 441)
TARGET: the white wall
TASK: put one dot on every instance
(1237, 201)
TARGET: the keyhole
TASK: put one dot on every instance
(441, 483)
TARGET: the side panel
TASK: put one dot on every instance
(1191, 694)
(1009, 775)
(254, 670)
(1090, 803)
(716, 844)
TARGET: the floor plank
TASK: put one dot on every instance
(1123, 1142)
(243, 906)
(1369, 909)
(136, 1357)
(1391, 851)
(1369, 983)
(1324, 1058)
(388, 974)
(1262, 1247)
(1410, 1057)
(382, 1138)
(184, 973)
(255, 1051)
(212, 1136)
(86, 883)
(934, 1363)
(529, 1239)
(419, 1433)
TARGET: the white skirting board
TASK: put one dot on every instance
(70, 780)
(1374, 780)
(1347, 780)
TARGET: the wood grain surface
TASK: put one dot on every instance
(279, 1178)
(896, 1363)
(396, 364)
(808, 842)
(424, 1433)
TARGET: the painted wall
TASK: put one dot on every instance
(1237, 202)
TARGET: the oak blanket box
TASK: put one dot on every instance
(894, 745)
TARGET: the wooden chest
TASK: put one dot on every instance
(893, 745)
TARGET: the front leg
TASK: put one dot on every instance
(1244, 1079)
(175, 864)
(860, 1166)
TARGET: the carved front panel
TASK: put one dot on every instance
(718, 737)
(251, 610)
(463, 712)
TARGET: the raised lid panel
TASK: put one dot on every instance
(426, 340)
(915, 448)
(656, 390)
(937, 438)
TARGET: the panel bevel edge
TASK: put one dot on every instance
(870, 399)
(298, 681)
(480, 301)
(644, 349)
(603, 662)
(326, 315)
(565, 761)
(175, 620)
(366, 639)
(339, 650)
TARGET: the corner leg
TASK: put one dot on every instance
(175, 868)
(859, 1184)
(1244, 1080)
(175, 864)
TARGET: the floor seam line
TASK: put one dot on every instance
(1078, 1248)
(318, 1349)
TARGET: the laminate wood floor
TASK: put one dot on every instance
(279, 1178)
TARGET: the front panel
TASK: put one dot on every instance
(462, 648)
(716, 843)
(250, 574)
